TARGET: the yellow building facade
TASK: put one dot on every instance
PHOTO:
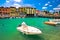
(13, 12)
(16, 12)
(27, 10)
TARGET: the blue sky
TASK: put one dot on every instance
(39, 4)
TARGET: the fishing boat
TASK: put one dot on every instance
(53, 22)
(28, 30)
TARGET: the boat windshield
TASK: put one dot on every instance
(24, 24)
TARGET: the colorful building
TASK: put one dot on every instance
(57, 10)
(1, 11)
(56, 14)
(4, 12)
(37, 12)
(27, 10)
(13, 12)
(17, 12)
(40, 13)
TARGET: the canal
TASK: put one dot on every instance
(8, 29)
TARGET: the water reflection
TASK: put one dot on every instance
(31, 37)
(57, 27)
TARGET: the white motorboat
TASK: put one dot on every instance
(53, 22)
(28, 30)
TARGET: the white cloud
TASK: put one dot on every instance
(51, 11)
(46, 4)
(44, 7)
(7, 1)
(16, 5)
(56, 8)
(50, 5)
(58, 5)
(24, 5)
(17, 0)
(39, 4)
(28, 5)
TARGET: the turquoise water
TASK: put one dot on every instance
(8, 29)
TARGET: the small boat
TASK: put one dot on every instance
(53, 22)
(28, 30)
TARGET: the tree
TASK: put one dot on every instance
(46, 11)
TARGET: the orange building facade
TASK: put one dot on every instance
(16, 12)
(4, 12)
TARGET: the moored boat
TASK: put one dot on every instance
(53, 22)
(28, 30)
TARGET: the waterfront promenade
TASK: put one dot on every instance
(31, 17)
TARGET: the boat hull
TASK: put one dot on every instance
(29, 31)
(50, 23)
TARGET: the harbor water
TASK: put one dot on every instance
(8, 29)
